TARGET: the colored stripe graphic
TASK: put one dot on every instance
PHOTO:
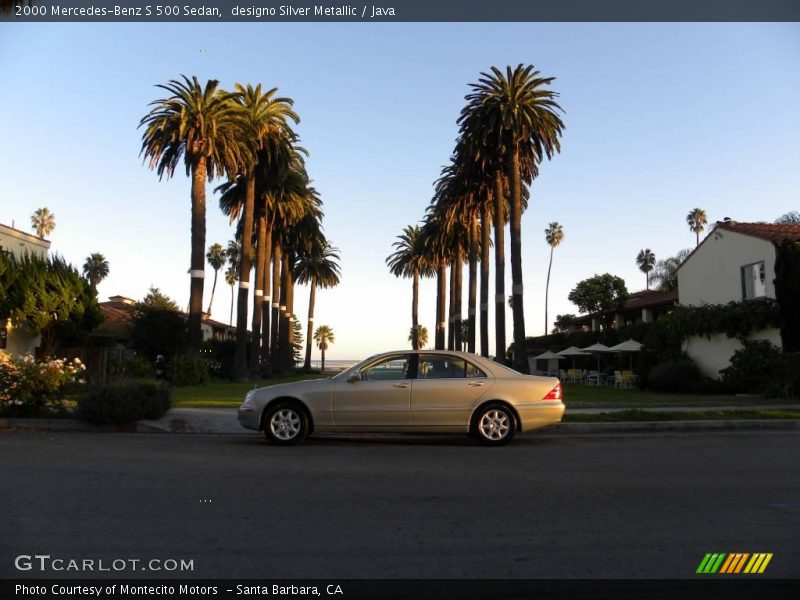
(734, 563)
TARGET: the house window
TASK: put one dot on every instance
(754, 281)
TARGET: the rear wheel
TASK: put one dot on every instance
(285, 424)
(494, 425)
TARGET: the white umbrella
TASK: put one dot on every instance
(597, 349)
(629, 346)
(572, 352)
(549, 357)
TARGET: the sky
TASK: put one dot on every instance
(660, 118)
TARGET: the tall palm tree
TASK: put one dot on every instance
(316, 265)
(324, 338)
(266, 120)
(553, 235)
(202, 125)
(436, 248)
(418, 336)
(409, 260)
(95, 268)
(230, 279)
(646, 260)
(217, 258)
(696, 219)
(518, 114)
(43, 222)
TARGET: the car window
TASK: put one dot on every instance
(442, 366)
(390, 368)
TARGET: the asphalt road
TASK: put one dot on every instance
(621, 506)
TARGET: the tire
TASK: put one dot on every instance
(494, 425)
(285, 423)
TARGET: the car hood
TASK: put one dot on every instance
(305, 385)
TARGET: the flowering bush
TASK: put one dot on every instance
(30, 388)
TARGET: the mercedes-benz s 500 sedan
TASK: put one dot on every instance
(408, 391)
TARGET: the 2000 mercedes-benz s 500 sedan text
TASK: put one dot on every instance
(408, 391)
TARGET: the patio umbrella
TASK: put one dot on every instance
(629, 346)
(548, 356)
(572, 352)
(597, 349)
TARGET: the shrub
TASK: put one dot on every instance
(754, 367)
(125, 400)
(188, 370)
(29, 388)
(674, 376)
(136, 367)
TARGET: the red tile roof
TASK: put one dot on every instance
(772, 232)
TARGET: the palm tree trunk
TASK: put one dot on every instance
(213, 289)
(451, 314)
(290, 364)
(414, 315)
(258, 296)
(547, 290)
(240, 355)
(310, 329)
(473, 282)
(485, 250)
(266, 307)
(198, 260)
(322, 350)
(499, 270)
(274, 354)
(441, 293)
(459, 341)
(283, 329)
(230, 322)
(518, 313)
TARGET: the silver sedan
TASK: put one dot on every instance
(408, 391)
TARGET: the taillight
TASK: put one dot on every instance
(555, 393)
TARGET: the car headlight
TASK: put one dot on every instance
(249, 396)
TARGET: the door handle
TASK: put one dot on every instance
(400, 385)
(475, 383)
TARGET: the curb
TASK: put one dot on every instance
(560, 429)
(674, 426)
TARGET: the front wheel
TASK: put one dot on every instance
(494, 425)
(285, 424)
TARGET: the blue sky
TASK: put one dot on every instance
(660, 118)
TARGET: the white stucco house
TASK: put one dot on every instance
(14, 340)
(735, 262)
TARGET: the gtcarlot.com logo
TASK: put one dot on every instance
(735, 563)
(46, 562)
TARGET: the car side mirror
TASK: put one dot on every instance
(354, 377)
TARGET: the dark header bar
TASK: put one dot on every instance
(267, 11)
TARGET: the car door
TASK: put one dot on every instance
(445, 390)
(380, 397)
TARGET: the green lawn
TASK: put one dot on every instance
(591, 396)
(227, 393)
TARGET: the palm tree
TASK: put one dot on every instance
(265, 119)
(665, 272)
(408, 260)
(645, 260)
(324, 338)
(217, 258)
(201, 125)
(519, 117)
(43, 222)
(435, 246)
(553, 235)
(696, 219)
(318, 266)
(95, 269)
(230, 279)
(418, 336)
